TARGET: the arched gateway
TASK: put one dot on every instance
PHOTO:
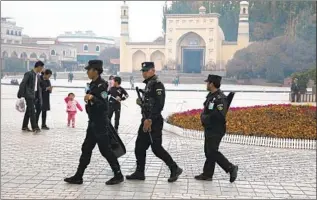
(192, 43)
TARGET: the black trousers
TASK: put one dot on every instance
(38, 112)
(97, 134)
(143, 142)
(213, 155)
(116, 109)
(30, 114)
(295, 96)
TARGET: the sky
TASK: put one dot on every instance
(51, 18)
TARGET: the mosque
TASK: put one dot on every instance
(193, 43)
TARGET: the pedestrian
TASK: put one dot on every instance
(28, 89)
(213, 119)
(70, 77)
(46, 89)
(132, 82)
(295, 95)
(87, 88)
(117, 94)
(111, 77)
(150, 130)
(71, 109)
(55, 75)
(97, 132)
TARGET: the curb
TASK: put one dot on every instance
(246, 140)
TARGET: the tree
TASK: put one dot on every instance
(273, 59)
(268, 19)
(109, 53)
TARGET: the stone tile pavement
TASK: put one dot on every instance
(33, 166)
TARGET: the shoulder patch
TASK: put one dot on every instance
(104, 94)
(159, 91)
(220, 106)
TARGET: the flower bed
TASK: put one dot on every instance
(277, 121)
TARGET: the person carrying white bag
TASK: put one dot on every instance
(20, 105)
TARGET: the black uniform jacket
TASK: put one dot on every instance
(213, 117)
(154, 98)
(97, 107)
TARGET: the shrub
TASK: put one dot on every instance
(277, 121)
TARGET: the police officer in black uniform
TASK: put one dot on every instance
(117, 94)
(150, 130)
(97, 107)
(213, 119)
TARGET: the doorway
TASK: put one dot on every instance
(192, 60)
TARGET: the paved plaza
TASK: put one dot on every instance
(33, 166)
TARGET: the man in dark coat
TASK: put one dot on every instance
(150, 129)
(97, 131)
(213, 119)
(46, 88)
(295, 91)
(29, 88)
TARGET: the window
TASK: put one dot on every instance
(124, 12)
(244, 11)
(97, 48)
(53, 52)
(11, 32)
(16, 32)
(19, 33)
(85, 47)
(8, 32)
(64, 53)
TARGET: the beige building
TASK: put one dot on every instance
(194, 43)
(88, 44)
(10, 32)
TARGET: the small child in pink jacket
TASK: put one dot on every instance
(71, 109)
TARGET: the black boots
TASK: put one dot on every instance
(77, 178)
(175, 172)
(74, 180)
(137, 175)
(203, 177)
(118, 178)
(233, 173)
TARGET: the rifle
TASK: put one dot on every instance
(230, 98)
(142, 109)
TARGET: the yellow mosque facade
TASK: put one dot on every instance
(193, 43)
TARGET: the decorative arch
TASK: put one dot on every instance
(137, 58)
(159, 59)
(5, 54)
(14, 54)
(189, 46)
(43, 56)
(24, 56)
(33, 55)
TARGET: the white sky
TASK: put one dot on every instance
(51, 18)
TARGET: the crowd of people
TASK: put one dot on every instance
(103, 98)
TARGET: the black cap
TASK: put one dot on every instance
(95, 64)
(147, 66)
(213, 78)
(117, 79)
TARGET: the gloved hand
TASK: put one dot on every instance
(139, 101)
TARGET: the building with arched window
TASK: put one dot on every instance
(87, 43)
(10, 32)
(193, 43)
